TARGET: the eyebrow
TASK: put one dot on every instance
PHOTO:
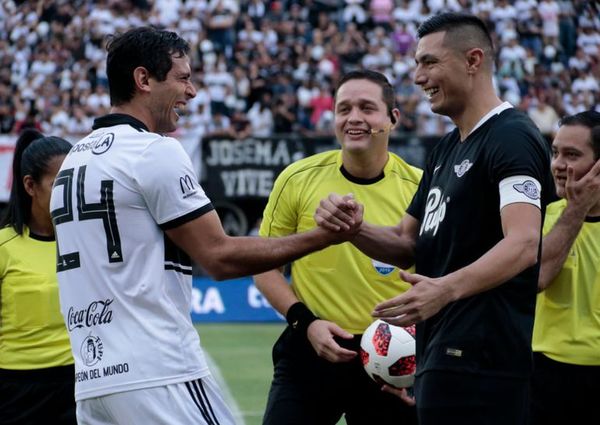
(425, 57)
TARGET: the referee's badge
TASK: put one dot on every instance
(382, 268)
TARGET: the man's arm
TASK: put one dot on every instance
(320, 333)
(582, 195)
(226, 257)
(518, 250)
(392, 244)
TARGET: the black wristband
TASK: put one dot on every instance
(299, 317)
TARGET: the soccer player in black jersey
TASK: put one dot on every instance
(473, 231)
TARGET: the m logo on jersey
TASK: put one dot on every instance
(435, 212)
(103, 144)
(97, 313)
(186, 184)
(529, 189)
(462, 168)
(91, 350)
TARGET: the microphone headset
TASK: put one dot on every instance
(387, 129)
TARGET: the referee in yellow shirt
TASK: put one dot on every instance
(318, 375)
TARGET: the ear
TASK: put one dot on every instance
(141, 78)
(29, 185)
(475, 58)
(396, 118)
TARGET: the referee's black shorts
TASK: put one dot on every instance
(308, 390)
(456, 398)
(40, 396)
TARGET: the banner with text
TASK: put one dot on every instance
(236, 300)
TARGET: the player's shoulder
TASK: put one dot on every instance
(513, 121)
(7, 234)
(314, 163)
(404, 170)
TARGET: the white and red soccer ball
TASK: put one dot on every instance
(388, 353)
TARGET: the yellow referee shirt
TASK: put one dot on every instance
(32, 330)
(567, 319)
(340, 283)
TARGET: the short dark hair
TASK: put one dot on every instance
(463, 32)
(589, 119)
(33, 153)
(387, 90)
(144, 46)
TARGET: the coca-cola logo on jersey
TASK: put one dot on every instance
(97, 313)
(435, 211)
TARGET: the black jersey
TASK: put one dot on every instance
(458, 206)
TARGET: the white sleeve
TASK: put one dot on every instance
(520, 189)
(168, 183)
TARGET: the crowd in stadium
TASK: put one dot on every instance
(269, 66)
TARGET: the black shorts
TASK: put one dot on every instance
(454, 398)
(561, 392)
(41, 396)
(308, 390)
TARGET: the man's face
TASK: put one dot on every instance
(571, 148)
(359, 108)
(171, 94)
(441, 73)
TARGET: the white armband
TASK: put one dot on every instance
(520, 189)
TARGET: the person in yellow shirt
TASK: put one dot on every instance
(36, 365)
(318, 375)
(566, 335)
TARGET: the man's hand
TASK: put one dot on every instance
(321, 335)
(426, 297)
(339, 213)
(584, 193)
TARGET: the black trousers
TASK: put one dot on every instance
(308, 390)
(34, 397)
(562, 392)
(454, 398)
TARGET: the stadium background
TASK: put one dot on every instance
(265, 71)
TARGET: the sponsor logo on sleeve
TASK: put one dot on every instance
(529, 189)
(186, 184)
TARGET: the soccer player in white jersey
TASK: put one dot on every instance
(473, 231)
(129, 214)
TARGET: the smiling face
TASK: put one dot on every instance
(170, 95)
(572, 148)
(441, 73)
(359, 110)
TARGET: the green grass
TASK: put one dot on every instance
(242, 352)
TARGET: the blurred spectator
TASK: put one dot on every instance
(52, 55)
(544, 116)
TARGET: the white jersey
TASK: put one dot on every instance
(125, 288)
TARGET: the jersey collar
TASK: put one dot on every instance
(111, 120)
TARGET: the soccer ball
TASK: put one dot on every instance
(388, 353)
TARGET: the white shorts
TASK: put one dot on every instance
(187, 403)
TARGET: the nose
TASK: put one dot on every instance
(558, 163)
(419, 77)
(191, 91)
(354, 115)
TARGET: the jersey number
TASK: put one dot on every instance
(103, 210)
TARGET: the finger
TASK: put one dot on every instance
(411, 278)
(321, 222)
(338, 331)
(323, 216)
(391, 303)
